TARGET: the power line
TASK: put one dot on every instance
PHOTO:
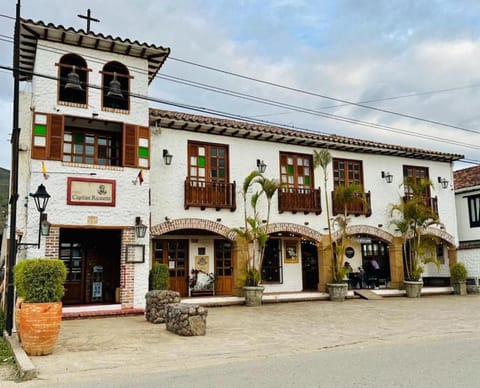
(248, 119)
(261, 100)
(360, 105)
(343, 101)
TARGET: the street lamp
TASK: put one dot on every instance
(40, 197)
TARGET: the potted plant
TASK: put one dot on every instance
(344, 197)
(40, 283)
(458, 278)
(158, 278)
(158, 295)
(411, 218)
(254, 234)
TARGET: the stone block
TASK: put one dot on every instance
(186, 319)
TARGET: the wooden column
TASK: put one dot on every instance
(324, 264)
(452, 255)
(240, 257)
(396, 263)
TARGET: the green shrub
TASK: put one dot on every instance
(19, 278)
(2, 321)
(40, 280)
(458, 273)
(159, 277)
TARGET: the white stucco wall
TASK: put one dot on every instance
(465, 232)
(132, 199)
(243, 155)
(45, 89)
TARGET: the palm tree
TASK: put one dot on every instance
(345, 197)
(322, 159)
(411, 217)
(254, 232)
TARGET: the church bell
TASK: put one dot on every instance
(114, 88)
(73, 81)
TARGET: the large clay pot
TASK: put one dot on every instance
(253, 295)
(40, 326)
(337, 291)
(413, 288)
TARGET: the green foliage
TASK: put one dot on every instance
(2, 321)
(411, 218)
(40, 280)
(250, 277)
(255, 232)
(458, 273)
(159, 277)
(19, 278)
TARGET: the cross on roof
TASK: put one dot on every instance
(89, 19)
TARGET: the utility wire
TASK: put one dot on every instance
(343, 101)
(248, 119)
(317, 94)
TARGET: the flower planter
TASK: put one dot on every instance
(460, 288)
(413, 288)
(253, 295)
(337, 291)
(40, 326)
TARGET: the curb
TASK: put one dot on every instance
(26, 369)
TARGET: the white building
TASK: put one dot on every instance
(467, 199)
(85, 137)
(101, 154)
(196, 201)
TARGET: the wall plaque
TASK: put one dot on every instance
(90, 192)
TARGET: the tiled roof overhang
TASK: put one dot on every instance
(31, 32)
(233, 128)
(466, 178)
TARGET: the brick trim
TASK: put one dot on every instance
(190, 223)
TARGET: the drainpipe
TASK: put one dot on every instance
(11, 259)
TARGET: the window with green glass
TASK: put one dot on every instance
(296, 170)
(208, 162)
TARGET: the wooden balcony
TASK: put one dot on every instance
(431, 202)
(355, 208)
(299, 200)
(216, 195)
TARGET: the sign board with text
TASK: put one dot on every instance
(90, 192)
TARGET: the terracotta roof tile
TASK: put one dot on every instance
(467, 177)
(309, 138)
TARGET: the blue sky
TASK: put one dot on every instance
(354, 50)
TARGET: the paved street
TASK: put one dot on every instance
(125, 346)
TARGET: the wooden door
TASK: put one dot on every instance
(72, 254)
(223, 267)
(174, 253)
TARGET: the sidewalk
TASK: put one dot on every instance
(129, 344)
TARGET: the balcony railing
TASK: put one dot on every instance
(431, 202)
(218, 195)
(356, 209)
(299, 200)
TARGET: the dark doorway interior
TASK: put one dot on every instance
(309, 266)
(376, 250)
(92, 259)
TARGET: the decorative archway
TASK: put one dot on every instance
(190, 223)
(365, 230)
(294, 228)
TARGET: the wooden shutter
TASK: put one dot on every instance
(129, 145)
(144, 147)
(55, 137)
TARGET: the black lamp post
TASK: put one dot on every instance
(40, 198)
